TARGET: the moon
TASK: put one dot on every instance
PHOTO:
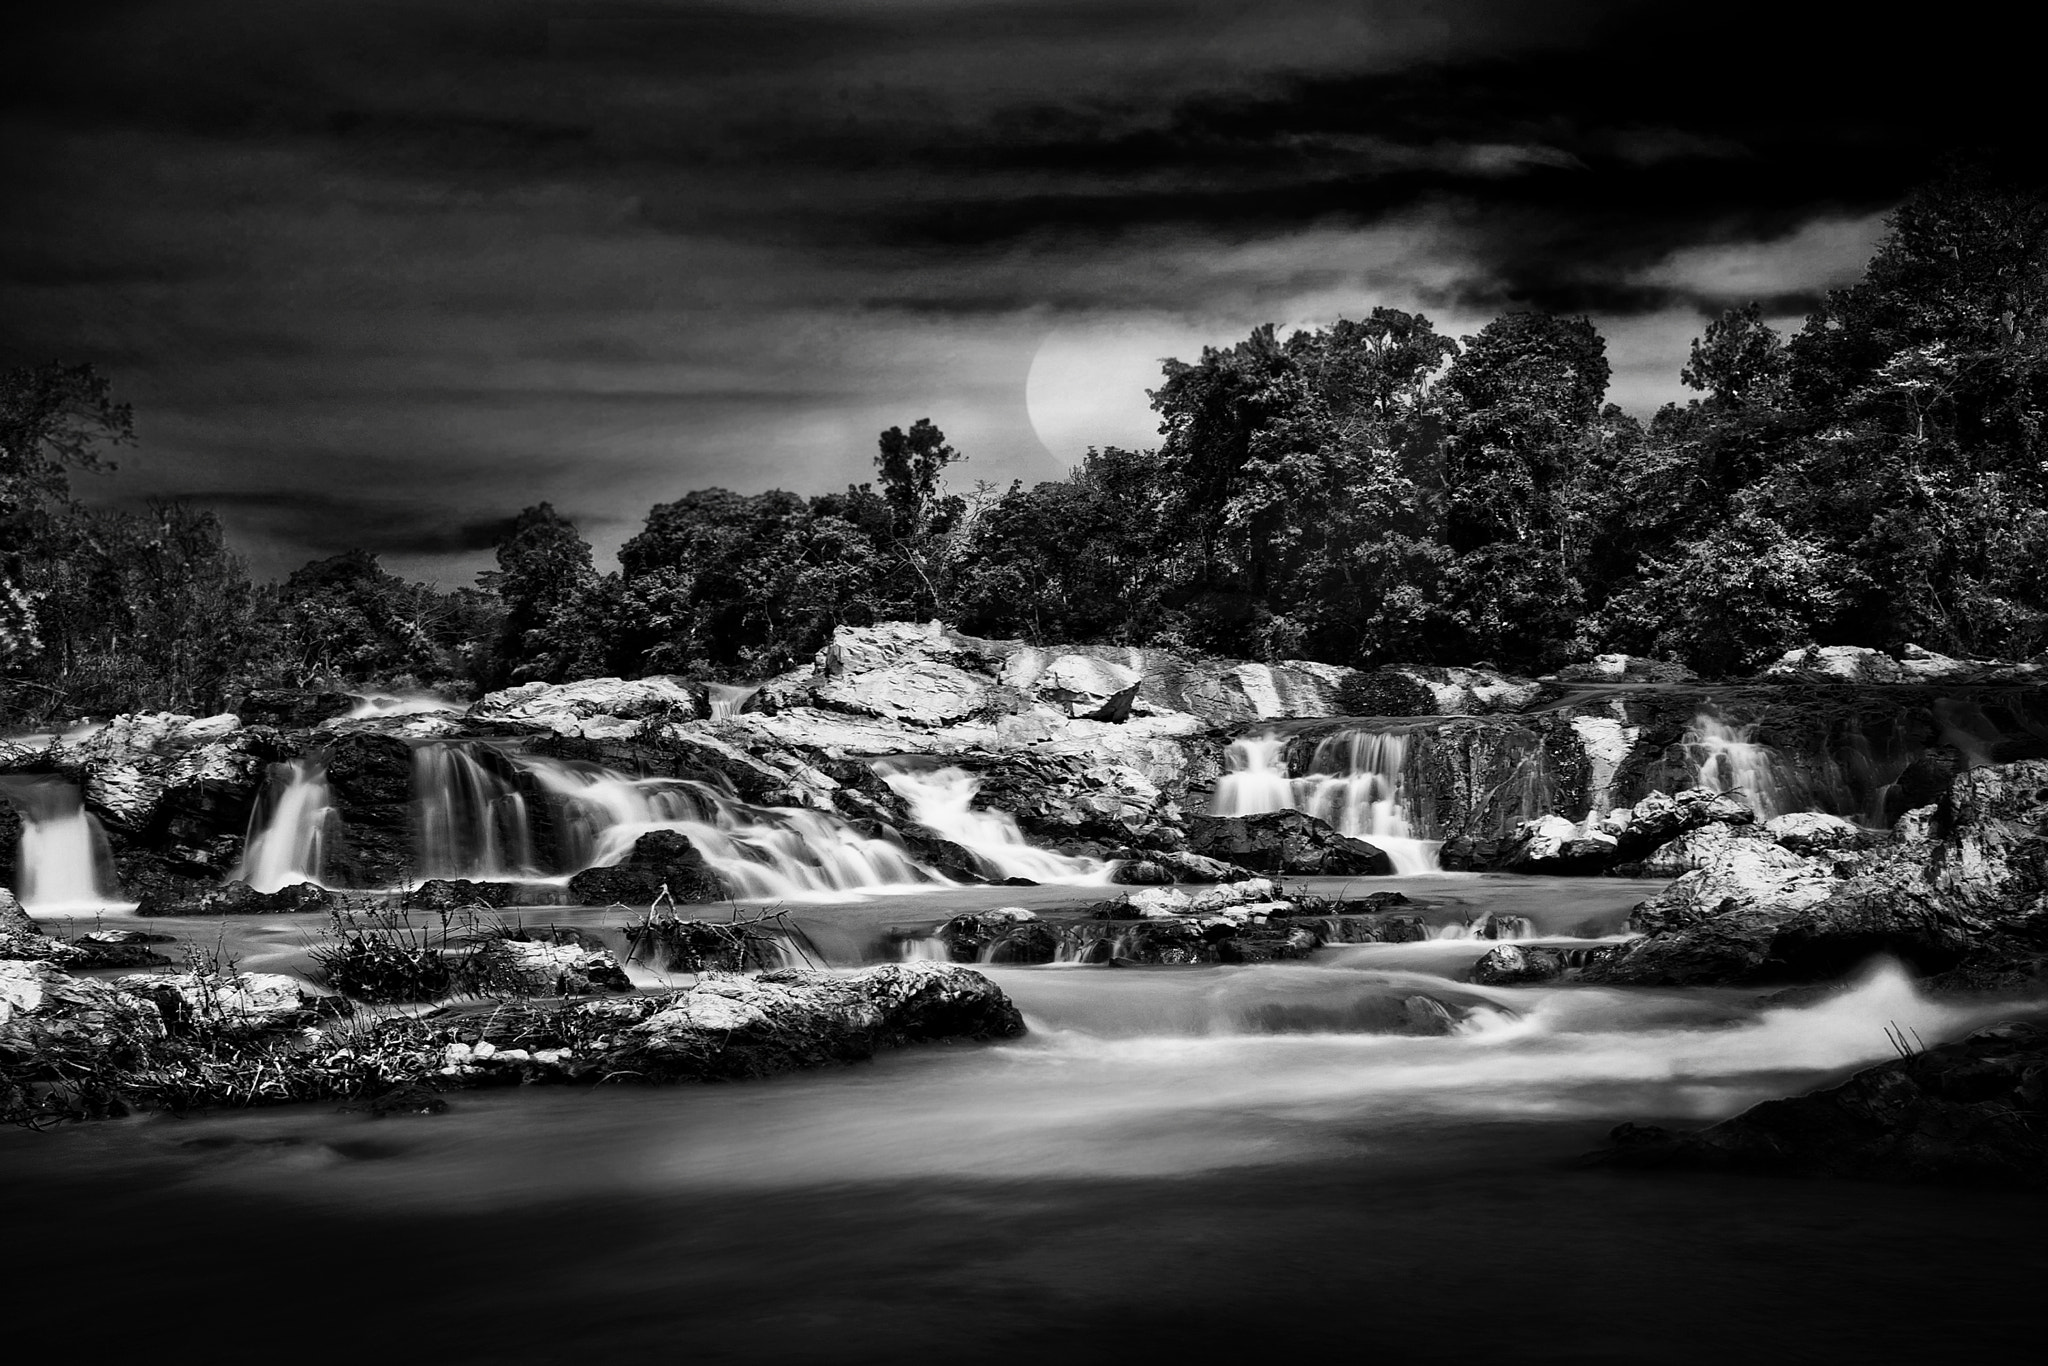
(1087, 383)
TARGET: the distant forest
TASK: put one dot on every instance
(1366, 493)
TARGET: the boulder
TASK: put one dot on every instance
(593, 708)
(661, 859)
(1009, 934)
(248, 1001)
(1285, 842)
(1555, 846)
(1082, 686)
(370, 777)
(1813, 832)
(1436, 690)
(1659, 818)
(1838, 664)
(1520, 965)
(520, 967)
(732, 1026)
(1974, 1111)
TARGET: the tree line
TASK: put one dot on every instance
(1364, 493)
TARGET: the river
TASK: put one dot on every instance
(1215, 1160)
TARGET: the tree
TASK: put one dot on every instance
(549, 587)
(1741, 357)
(53, 419)
(910, 465)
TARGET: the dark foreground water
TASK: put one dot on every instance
(1187, 1162)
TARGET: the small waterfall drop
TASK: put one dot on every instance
(289, 829)
(1729, 759)
(943, 798)
(764, 853)
(66, 863)
(1354, 783)
(730, 699)
(472, 818)
(371, 705)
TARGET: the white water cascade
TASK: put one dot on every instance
(730, 699)
(472, 819)
(763, 853)
(289, 829)
(1730, 760)
(1354, 783)
(943, 799)
(65, 862)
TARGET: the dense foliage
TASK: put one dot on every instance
(1367, 492)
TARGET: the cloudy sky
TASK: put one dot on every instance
(381, 274)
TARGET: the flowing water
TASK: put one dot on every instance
(472, 818)
(290, 827)
(1355, 782)
(65, 861)
(943, 799)
(1256, 1159)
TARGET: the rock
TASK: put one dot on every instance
(13, 919)
(1972, 906)
(1555, 846)
(1009, 934)
(677, 944)
(1974, 1111)
(298, 708)
(1285, 842)
(22, 940)
(1918, 826)
(1811, 832)
(1510, 965)
(594, 708)
(660, 858)
(1085, 687)
(1622, 668)
(370, 777)
(253, 1001)
(47, 1013)
(729, 1026)
(517, 967)
(1838, 664)
(1427, 1015)
(239, 898)
(1436, 690)
(1706, 846)
(1659, 818)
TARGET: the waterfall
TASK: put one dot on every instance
(288, 830)
(764, 853)
(730, 699)
(1354, 782)
(1729, 759)
(942, 798)
(65, 862)
(472, 819)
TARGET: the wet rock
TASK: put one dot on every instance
(370, 777)
(297, 708)
(1659, 818)
(594, 708)
(1973, 1112)
(679, 944)
(661, 859)
(1009, 934)
(452, 894)
(1623, 668)
(1285, 842)
(22, 940)
(239, 898)
(1427, 1015)
(251, 1001)
(1557, 847)
(730, 1026)
(519, 967)
(1436, 690)
(1518, 965)
(1970, 905)
(1811, 832)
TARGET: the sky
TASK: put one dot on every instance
(382, 274)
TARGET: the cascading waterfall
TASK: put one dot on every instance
(472, 819)
(943, 799)
(765, 853)
(289, 829)
(730, 699)
(1730, 760)
(1354, 783)
(66, 863)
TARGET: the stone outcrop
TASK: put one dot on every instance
(593, 708)
(1285, 842)
(662, 862)
(1971, 1112)
(1436, 690)
(1970, 905)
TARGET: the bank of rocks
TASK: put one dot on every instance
(78, 1048)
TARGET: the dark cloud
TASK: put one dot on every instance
(385, 272)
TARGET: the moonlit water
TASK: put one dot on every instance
(66, 864)
(763, 853)
(943, 799)
(1354, 783)
(289, 827)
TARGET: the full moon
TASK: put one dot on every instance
(1087, 383)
